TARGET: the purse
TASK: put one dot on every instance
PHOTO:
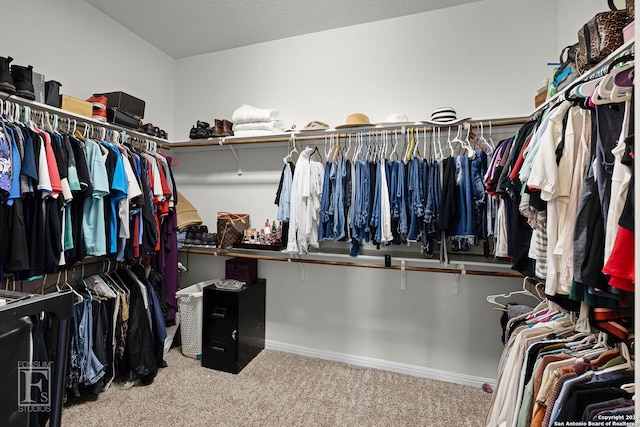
(600, 37)
(231, 228)
(120, 118)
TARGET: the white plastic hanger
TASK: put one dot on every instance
(627, 364)
(493, 299)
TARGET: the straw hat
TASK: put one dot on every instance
(187, 214)
(356, 120)
(315, 125)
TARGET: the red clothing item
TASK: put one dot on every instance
(518, 164)
(620, 265)
(52, 165)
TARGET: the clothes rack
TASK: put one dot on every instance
(79, 120)
(60, 305)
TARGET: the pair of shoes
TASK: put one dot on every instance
(209, 239)
(222, 128)
(195, 234)
(200, 131)
(99, 107)
(152, 130)
(16, 79)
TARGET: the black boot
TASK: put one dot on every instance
(23, 79)
(6, 81)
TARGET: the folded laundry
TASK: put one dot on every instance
(248, 114)
(250, 133)
(273, 126)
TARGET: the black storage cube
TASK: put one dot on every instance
(126, 103)
(233, 326)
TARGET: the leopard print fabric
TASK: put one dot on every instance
(599, 37)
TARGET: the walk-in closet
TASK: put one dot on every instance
(344, 213)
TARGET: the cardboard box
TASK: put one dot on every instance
(75, 105)
(38, 86)
(125, 102)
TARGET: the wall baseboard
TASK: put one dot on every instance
(369, 362)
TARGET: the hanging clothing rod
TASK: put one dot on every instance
(83, 121)
(355, 264)
(48, 281)
(211, 142)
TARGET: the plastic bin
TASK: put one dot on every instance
(190, 305)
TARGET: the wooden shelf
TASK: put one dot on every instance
(340, 133)
(366, 261)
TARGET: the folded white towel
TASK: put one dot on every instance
(249, 133)
(273, 126)
(248, 114)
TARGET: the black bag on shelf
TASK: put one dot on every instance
(567, 71)
(121, 118)
(52, 93)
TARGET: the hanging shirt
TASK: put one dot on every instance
(305, 203)
(93, 223)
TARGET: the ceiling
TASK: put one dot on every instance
(183, 28)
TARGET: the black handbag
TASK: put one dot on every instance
(120, 118)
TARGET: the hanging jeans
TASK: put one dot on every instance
(478, 166)
(416, 199)
(325, 223)
(338, 200)
(463, 229)
(363, 212)
(397, 198)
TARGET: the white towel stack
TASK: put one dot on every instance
(252, 121)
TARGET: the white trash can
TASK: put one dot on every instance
(190, 305)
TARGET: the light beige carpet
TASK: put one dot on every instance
(281, 389)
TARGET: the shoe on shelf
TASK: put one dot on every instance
(216, 130)
(98, 101)
(148, 128)
(227, 128)
(99, 114)
(23, 80)
(6, 81)
(164, 134)
(190, 236)
(202, 125)
(193, 133)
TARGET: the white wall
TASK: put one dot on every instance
(572, 14)
(75, 44)
(363, 313)
(484, 58)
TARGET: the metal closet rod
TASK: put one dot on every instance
(356, 264)
(44, 283)
(211, 142)
(83, 121)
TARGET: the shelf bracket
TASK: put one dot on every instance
(403, 275)
(455, 285)
(236, 155)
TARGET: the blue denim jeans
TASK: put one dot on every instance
(416, 199)
(478, 166)
(338, 212)
(92, 369)
(325, 223)
(463, 229)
